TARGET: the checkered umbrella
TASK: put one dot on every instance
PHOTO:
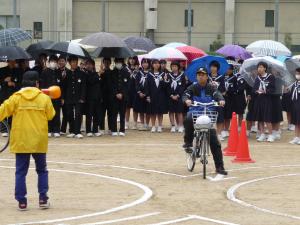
(12, 36)
(268, 48)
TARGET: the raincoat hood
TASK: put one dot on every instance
(29, 93)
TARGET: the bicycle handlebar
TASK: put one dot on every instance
(196, 104)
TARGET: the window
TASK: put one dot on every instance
(37, 30)
(8, 22)
(186, 18)
(269, 20)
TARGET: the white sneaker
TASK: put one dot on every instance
(276, 135)
(70, 135)
(49, 135)
(56, 135)
(271, 138)
(98, 134)
(262, 138)
(223, 134)
(295, 141)
(102, 132)
(291, 127)
(220, 137)
(253, 129)
(153, 129)
(180, 130)
(173, 129)
(79, 136)
(257, 135)
(62, 133)
(159, 129)
(121, 134)
(89, 134)
(114, 134)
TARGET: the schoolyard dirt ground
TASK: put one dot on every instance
(142, 179)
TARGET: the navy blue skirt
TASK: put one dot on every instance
(176, 106)
(240, 104)
(139, 104)
(286, 102)
(295, 112)
(262, 108)
(276, 109)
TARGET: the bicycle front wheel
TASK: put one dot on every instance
(4, 135)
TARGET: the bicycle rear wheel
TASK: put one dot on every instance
(4, 135)
(190, 161)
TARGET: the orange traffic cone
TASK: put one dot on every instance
(243, 155)
(231, 148)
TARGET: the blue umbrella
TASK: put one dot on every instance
(205, 61)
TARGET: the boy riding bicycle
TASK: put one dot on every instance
(204, 92)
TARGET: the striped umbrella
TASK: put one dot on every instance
(268, 48)
(13, 36)
(68, 48)
(166, 53)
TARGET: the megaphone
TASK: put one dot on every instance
(54, 92)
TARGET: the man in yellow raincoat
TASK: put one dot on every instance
(31, 110)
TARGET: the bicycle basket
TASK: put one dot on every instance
(204, 120)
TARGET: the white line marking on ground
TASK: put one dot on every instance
(191, 217)
(231, 195)
(147, 195)
(219, 177)
(124, 219)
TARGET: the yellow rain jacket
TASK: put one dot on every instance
(31, 109)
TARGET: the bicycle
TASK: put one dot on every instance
(203, 121)
(4, 135)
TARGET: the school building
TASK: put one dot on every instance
(214, 22)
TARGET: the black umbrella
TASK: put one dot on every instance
(38, 48)
(13, 53)
(102, 40)
(139, 44)
(68, 48)
(12, 36)
(123, 52)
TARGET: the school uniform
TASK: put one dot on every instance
(131, 87)
(240, 98)
(64, 122)
(50, 77)
(295, 108)
(176, 87)
(140, 104)
(286, 102)
(74, 94)
(220, 85)
(94, 102)
(277, 116)
(262, 108)
(231, 92)
(15, 75)
(120, 86)
(156, 90)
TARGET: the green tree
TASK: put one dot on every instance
(1, 27)
(288, 41)
(216, 44)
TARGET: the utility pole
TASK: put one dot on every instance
(276, 19)
(103, 15)
(15, 13)
(189, 31)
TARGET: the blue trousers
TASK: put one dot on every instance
(22, 166)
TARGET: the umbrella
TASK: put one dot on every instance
(166, 53)
(13, 53)
(68, 48)
(205, 61)
(292, 65)
(12, 36)
(235, 51)
(296, 57)
(268, 48)
(191, 52)
(123, 52)
(282, 58)
(278, 69)
(86, 47)
(37, 48)
(139, 44)
(175, 44)
(103, 39)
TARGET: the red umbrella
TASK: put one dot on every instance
(191, 52)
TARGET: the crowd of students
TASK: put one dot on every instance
(149, 90)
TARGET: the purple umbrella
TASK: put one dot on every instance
(235, 51)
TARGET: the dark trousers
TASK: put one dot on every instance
(214, 143)
(74, 116)
(93, 116)
(119, 109)
(54, 124)
(64, 121)
(106, 110)
(22, 166)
